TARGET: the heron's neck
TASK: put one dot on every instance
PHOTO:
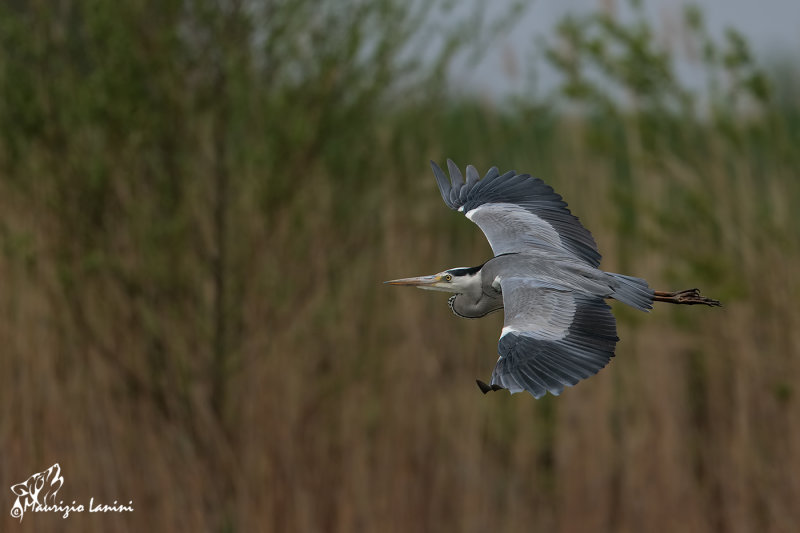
(471, 285)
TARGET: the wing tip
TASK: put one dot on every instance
(445, 184)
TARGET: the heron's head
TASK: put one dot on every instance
(453, 280)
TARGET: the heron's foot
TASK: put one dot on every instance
(486, 387)
(686, 297)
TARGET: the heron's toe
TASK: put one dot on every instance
(483, 386)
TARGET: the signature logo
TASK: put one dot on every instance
(36, 491)
(38, 494)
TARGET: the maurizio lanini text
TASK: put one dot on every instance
(78, 508)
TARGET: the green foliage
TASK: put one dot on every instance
(644, 115)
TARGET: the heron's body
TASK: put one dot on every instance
(558, 328)
(544, 269)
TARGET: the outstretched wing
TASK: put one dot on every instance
(551, 337)
(516, 211)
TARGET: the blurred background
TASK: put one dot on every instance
(200, 199)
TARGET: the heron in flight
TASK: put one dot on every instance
(545, 275)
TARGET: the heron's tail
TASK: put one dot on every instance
(632, 291)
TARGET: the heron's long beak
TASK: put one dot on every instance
(423, 282)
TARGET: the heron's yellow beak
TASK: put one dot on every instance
(423, 282)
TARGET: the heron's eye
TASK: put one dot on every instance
(448, 277)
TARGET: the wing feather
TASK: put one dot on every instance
(472, 176)
(532, 380)
(444, 184)
(516, 211)
(553, 338)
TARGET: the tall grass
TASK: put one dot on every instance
(198, 204)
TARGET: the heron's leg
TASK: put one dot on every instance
(485, 387)
(686, 297)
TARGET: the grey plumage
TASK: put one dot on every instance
(541, 365)
(508, 197)
(557, 327)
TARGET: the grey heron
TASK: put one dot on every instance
(545, 275)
